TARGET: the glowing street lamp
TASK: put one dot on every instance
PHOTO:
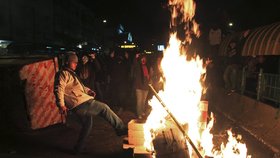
(80, 46)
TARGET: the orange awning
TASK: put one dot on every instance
(263, 41)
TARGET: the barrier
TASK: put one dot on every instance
(203, 107)
(255, 117)
(136, 133)
(40, 99)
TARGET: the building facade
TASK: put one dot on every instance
(58, 22)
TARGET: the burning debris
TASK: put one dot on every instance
(170, 142)
(180, 127)
(177, 125)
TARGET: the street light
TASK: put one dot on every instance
(104, 21)
(230, 24)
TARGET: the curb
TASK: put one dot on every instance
(254, 117)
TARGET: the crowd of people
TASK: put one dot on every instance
(120, 78)
(228, 63)
(89, 84)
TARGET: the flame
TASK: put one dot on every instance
(182, 12)
(232, 149)
(183, 89)
(187, 95)
(185, 7)
(207, 137)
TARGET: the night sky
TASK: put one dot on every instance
(148, 19)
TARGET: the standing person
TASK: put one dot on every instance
(72, 95)
(87, 71)
(215, 38)
(141, 78)
(128, 80)
(118, 83)
(110, 65)
(157, 74)
(100, 79)
(230, 73)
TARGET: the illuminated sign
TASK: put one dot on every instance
(160, 47)
(128, 46)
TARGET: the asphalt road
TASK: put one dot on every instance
(58, 140)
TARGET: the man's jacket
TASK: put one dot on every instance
(68, 89)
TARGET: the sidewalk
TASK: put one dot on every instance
(257, 118)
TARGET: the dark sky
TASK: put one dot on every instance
(148, 19)
(143, 18)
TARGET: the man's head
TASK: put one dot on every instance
(92, 55)
(72, 60)
(112, 54)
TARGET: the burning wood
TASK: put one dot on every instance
(170, 142)
(182, 130)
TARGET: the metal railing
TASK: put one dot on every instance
(262, 86)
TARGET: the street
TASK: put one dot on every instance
(58, 140)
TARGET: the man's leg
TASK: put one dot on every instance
(103, 110)
(84, 133)
(226, 76)
(143, 101)
(233, 78)
(138, 102)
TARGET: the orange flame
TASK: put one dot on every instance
(182, 12)
(183, 89)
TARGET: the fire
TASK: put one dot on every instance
(182, 93)
(187, 95)
(232, 149)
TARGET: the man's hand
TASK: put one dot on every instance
(63, 110)
(92, 93)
